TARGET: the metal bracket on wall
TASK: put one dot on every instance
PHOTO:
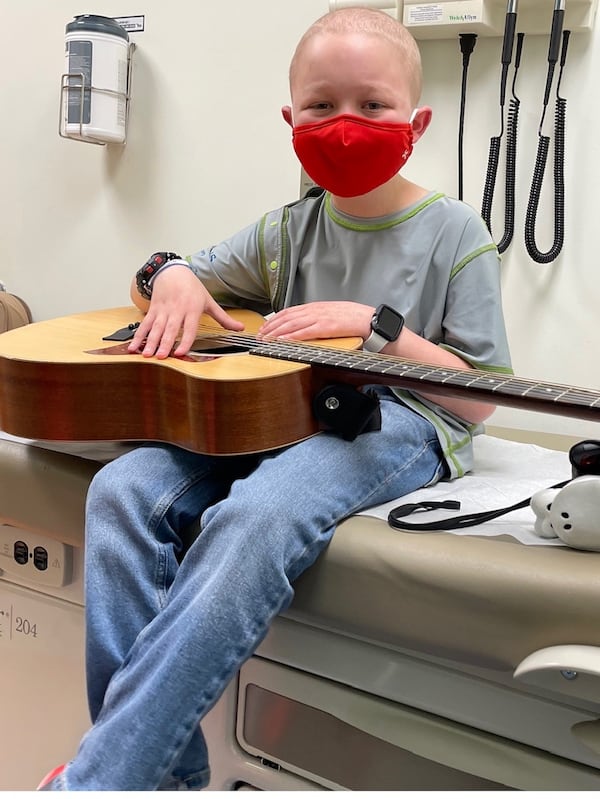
(75, 81)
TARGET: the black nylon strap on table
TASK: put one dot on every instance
(396, 515)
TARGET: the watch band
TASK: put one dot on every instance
(375, 342)
(145, 275)
(170, 262)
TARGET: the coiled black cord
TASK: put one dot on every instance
(512, 125)
(511, 163)
(490, 178)
(510, 179)
(559, 190)
(559, 182)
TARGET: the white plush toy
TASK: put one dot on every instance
(571, 513)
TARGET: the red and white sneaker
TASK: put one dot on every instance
(45, 783)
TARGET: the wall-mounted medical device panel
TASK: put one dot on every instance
(445, 19)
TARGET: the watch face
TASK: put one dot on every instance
(388, 322)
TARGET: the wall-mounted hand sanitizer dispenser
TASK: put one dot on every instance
(95, 84)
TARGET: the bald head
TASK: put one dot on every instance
(369, 22)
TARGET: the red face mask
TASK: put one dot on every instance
(349, 155)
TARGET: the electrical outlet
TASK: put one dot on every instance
(33, 558)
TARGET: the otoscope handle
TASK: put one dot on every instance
(555, 34)
(565, 44)
(520, 38)
(510, 25)
(554, 46)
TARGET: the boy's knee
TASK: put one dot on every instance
(106, 484)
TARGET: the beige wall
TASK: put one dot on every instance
(208, 153)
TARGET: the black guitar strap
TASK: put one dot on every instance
(583, 456)
(396, 515)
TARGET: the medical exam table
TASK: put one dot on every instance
(407, 660)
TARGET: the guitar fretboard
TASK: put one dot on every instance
(472, 384)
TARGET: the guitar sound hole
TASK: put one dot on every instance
(206, 346)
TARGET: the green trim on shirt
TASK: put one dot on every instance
(369, 226)
(471, 257)
(283, 270)
(261, 249)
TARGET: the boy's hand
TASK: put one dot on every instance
(178, 301)
(319, 320)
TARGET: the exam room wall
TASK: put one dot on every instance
(208, 153)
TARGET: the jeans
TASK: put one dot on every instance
(167, 631)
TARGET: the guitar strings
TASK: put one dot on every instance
(233, 337)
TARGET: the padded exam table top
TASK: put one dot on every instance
(478, 600)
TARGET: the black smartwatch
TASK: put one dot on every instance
(386, 326)
(143, 277)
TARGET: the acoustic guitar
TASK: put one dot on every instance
(60, 380)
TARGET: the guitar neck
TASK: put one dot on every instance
(361, 368)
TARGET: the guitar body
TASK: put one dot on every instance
(60, 381)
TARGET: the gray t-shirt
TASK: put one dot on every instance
(434, 262)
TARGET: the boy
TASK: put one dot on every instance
(166, 633)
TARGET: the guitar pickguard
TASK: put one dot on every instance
(202, 350)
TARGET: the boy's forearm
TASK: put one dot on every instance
(416, 348)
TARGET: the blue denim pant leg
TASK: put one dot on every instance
(164, 640)
(165, 491)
